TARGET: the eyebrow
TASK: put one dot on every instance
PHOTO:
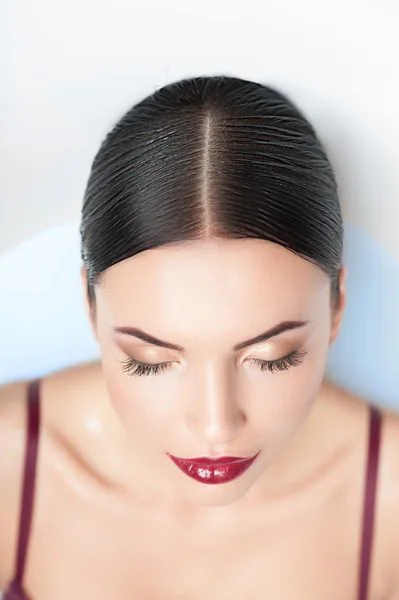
(262, 337)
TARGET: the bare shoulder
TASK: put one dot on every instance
(65, 398)
(12, 428)
(12, 448)
(353, 413)
(387, 522)
(386, 528)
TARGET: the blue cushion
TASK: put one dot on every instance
(43, 324)
(364, 357)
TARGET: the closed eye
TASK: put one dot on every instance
(281, 364)
(136, 368)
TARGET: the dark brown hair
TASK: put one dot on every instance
(211, 157)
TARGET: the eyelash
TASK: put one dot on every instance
(136, 368)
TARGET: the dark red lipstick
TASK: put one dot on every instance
(214, 470)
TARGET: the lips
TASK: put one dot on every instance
(212, 471)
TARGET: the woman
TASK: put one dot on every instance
(207, 456)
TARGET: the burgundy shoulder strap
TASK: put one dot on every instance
(370, 493)
(29, 478)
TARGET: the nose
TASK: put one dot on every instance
(214, 415)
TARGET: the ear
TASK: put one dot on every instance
(339, 309)
(90, 309)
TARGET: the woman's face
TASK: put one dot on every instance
(213, 396)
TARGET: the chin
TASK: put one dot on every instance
(222, 494)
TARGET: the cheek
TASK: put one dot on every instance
(139, 402)
(281, 402)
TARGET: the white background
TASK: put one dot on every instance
(71, 68)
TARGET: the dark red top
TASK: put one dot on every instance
(15, 590)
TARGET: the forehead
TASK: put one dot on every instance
(216, 279)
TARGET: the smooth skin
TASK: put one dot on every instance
(115, 518)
